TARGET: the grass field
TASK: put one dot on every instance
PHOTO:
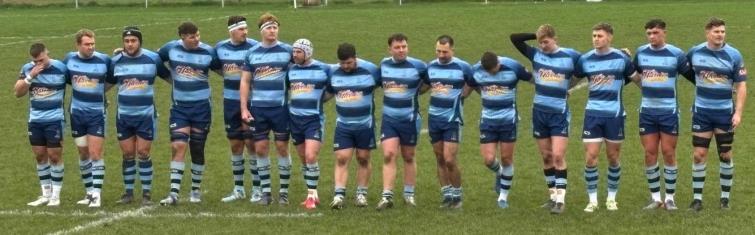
(476, 28)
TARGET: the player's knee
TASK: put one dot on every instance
(142, 153)
(651, 153)
(80, 141)
(342, 161)
(177, 136)
(700, 142)
(196, 147)
(723, 143)
(408, 159)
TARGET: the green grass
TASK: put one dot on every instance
(476, 28)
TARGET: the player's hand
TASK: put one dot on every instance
(246, 116)
(36, 70)
(735, 120)
(627, 51)
(117, 50)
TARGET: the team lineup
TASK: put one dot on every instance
(271, 86)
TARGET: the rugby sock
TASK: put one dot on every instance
(43, 172)
(56, 175)
(197, 170)
(614, 177)
(85, 168)
(176, 174)
(669, 177)
(457, 193)
(495, 167)
(254, 172)
(312, 176)
(98, 175)
(129, 175)
(340, 192)
(560, 185)
(698, 180)
(550, 180)
(237, 167)
(263, 168)
(446, 191)
(591, 179)
(727, 177)
(284, 172)
(654, 181)
(145, 173)
(387, 194)
(362, 190)
(507, 175)
(408, 190)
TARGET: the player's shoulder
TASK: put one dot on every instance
(417, 63)
(59, 65)
(285, 46)
(697, 48)
(151, 54)
(366, 64)
(732, 51)
(222, 43)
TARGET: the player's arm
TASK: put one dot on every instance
(326, 96)
(245, 90)
(519, 41)
(467, 90)
(424, 88)
(741, 91)
(23, 83)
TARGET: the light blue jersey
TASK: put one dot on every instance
(716, 71)
(498, 91)
(446, 88)
(46, 92)
(190, 71)
(659, 70)
(606, 74)
(552, 72)
(401, 82)
(87, 78)
(353, 93)
(135, 79)
(231, 58)
(268, 66)
(308, 84)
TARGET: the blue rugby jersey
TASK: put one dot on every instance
(401, 82)
(446, 88)
(231, 58)
(353, 93)
(135, 79)
(606, 74)
(87, 78)
(498, 91)
(659, 70)
(268, 66)
(190, 71)
(307, 84)
(716, 71)
(46, 92)
(552, 73)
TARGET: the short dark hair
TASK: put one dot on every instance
(445, 39)
(235, 19)
(714, 22)
(397, 37)
(603, 26)
(655, 23)
(346, 51)
(36, 49)
(489, 60)
(187, 28)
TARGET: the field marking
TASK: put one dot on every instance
(84, 213)
(108, 219)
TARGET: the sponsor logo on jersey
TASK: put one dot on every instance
(134, 84)
(654, 76)
(301, 88)
(547, 75)
(440, 88)
(348, 96)
(82, 81)
(601, 80)
(394, 87)
(495, 90)
(266, 72)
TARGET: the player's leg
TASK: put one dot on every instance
(281, 132)
(144, 164)
(179, 138)
(79, 134)
(702, 133)
(343, 146)
(408, 141)
(261, 131)
(669, 136)
(365, 142)
(235, 135)
(54, 137)
(506, 175)
(128, 167)
(389, 141)
(197, 140)
(312, 171)
(436, 139)
(542, 133)
(95, 130)
(559, 144)
(650, 137)
(592, 138)
(39, 148)
(614, 136)
(724, 141)
(452, 137)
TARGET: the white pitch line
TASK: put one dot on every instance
(108, 219)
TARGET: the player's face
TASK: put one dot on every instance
(716, 35)
(348, 65)
(239, 35)
(444, 52)
(190, 41)
(270, 33)
(547, 44)
(656, 36)
(131, 45)
(86, 47)
(601, 39)
(399, 50)
(299, 56)
(494, 70)
(42, 59)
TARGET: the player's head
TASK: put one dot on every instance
(38, 53)
(444, 49)
(237, 29)
(85, 42)
(189, 33)
(546, 38)
(398, 46)
(715, 32)
(268, 25)
(489, 62)
(347, 57)
(303, 51)
(602, 35)
(132, 40)
(655, 31)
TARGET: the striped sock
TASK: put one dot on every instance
(362, 190)
(263, 168)
(550, 180)
(387, 194)
(176, 175)
(340, 192)
(43, 172)
(446, 191)
(98, 175)
(85, 167)
(56, 175)
(145, 173)
(408, 190)
(254, 172)
(197, 170)
(727, 177)
(614, 177)
(284, 172)
(652, 173)
(591, 179)
(495, 167)
(237, 167)
(129, 174)
(698, 180)
(507, 176)
(457, 193)
(312, 175)
(669, 177)
(561, 185)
